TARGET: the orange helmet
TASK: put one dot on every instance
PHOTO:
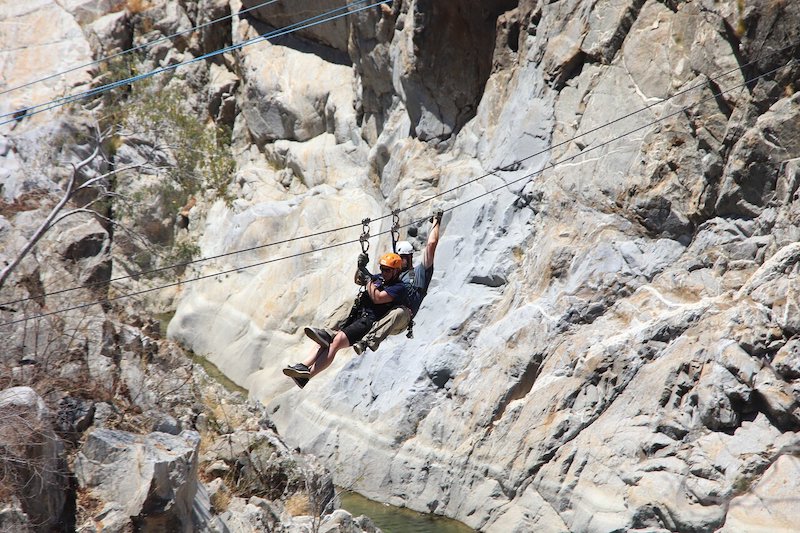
(391, 260)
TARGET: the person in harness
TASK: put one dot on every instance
(382, 293)
(416, 279)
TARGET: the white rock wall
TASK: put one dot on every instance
(608, 342)
(587, 391)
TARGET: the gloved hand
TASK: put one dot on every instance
(363, 259)
(377, 280)
(437, 216)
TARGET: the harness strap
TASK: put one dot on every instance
(355, 310)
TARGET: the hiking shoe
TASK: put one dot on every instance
(320, 336)
(300, 382)
(297, 371)
(360, 347)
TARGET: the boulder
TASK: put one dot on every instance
(257, 514)
(12, 518)
(88, 11)
(40, 36)
(751, 176)
(340, 521)
(766, 503)
(244, 515)
(440, 94)
(140, 479)
(281, 17)
(83, 244)
(720, 398)
(33, 462)
(780, 399)
(787, 361)
(282, 97)
(75, 415)
(261, 465)
(110, 34)
(221, 94)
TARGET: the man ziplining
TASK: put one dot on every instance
(381, 316)
(382, 293)
(417, 281)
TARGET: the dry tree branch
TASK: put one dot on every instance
(47, 224)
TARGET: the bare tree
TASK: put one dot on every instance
(72, 189)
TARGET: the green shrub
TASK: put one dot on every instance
(191, 152)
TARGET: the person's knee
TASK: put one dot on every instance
(399, 314)
(340, 340)
(403, 316)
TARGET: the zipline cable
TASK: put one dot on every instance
(59, 102)
(451, 208)
(288, 29)
(142, 46)
(176, 283)
(552, 165)
(473, 180)
(179, 265)
(619, 119)
(38, 108)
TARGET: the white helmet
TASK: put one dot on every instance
(404, 248)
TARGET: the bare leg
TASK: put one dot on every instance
(315, 355)
(324, 359)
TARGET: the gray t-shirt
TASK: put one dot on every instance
(417, 279)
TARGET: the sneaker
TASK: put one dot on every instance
(360, 347)
(297, 371)
(320, 336)
(301, 382)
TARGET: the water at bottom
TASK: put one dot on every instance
(399, 520)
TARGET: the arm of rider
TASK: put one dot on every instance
(433, 240)
(377, 295)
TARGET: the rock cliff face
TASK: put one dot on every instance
(610, 339)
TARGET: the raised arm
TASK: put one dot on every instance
(433, 240)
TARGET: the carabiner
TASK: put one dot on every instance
(364, 239)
